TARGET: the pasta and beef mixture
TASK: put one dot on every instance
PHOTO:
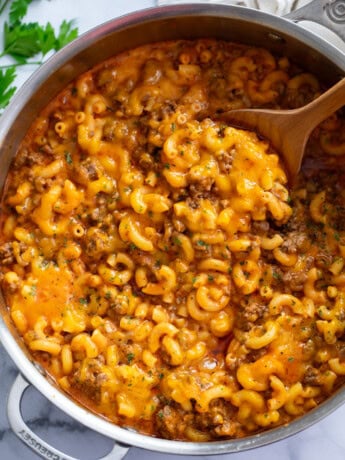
(154, 259)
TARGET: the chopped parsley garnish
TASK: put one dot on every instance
(176, 241)
(68, 158)
(277, 276)
(201, 243)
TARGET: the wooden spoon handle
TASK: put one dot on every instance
(326, 104)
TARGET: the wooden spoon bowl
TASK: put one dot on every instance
(289, 130)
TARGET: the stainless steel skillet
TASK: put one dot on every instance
(184, 21)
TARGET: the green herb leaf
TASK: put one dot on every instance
(22, 40)
(46, 38)
(18, 10)
(130, 357)
(336, 236)
(68, 158)
(66, 34)
(177, 241)
(6, 90)
(277, 276)
(27, 40)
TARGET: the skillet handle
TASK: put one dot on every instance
(31, 439)
(328, 13)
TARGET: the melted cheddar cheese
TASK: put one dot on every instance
(155, 261)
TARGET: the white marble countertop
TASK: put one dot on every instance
(324, 440)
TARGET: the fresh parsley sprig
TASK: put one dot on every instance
(18, 10)
(6, 90)
(27, 43)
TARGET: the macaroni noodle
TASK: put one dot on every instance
(154, 260)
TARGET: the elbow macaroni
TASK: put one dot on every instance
(152, 258)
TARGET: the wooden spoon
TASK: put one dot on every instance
(289, 130)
